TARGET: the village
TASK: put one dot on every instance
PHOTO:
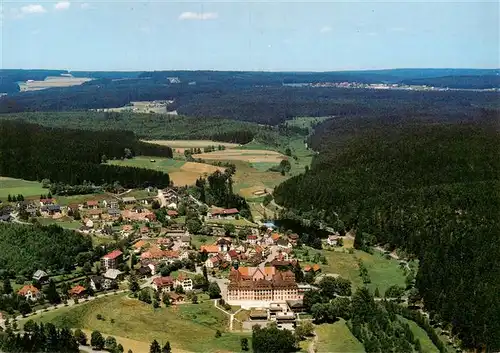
(253, 266)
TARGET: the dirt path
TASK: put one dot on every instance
(312, 346)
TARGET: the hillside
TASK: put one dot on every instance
(432, 190)
(33, 152)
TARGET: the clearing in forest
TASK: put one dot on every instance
(19, 186)
(181, 145)
(52, 81)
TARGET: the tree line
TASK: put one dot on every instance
(34, 152)
(431, 190)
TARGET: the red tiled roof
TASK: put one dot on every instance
(226, 211)
(28, 288)
(77, 290)
(112, 255)
(210, 248)
(252, 237)
(172, 213)
(307, 268)
(46, 201)
(275, 236)
(163, 281)
(151, 216)
(92, 203)
(316, 267)
(144, 229)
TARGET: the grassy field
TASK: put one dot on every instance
(181, 172)
(63, 222)
(181, 145)
(198, 240)
(80, 199)
(18, 186)
(252, 156)
(418, 332)
(306, 121)
(383, 272)
(337, 337)
(188, 327)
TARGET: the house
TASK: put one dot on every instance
(144, 272)
(51, 209)
(172, 213)
(213, 262)
(127, 229)
(268, 240)
(30, 292)
(227, 213)
(313, 268)
(46, 202)
(184, 281)
(176, 298)
(284, 243)
(316, 268)
(252, 239)
(114, 274)
(110, 204)
(114, 212)
(73, 207)
(232, 255)
(224, 244)
(186, 241)
(41, 277)
(77, 291)
(333, 239)
(293, 238)
(112, 260)
(139, 246)
(92, 204)
(184, 255)
(144, 230)
(170, 195)
(211, 250)
(94, 213)
(150, 217)
(98, 283)
(128, 200)
(163, 284)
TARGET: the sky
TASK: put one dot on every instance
(243, 35)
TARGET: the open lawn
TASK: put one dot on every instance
(383, 273)
(180, 172)
(181, 145)
(64, 222)
(337, 337)
(198, 240)
(188, 327)
(18, 186)
(418, 332)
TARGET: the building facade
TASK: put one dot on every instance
(264, 285)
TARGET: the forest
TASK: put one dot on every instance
(27, 248)
(432, 190)
(33, 152)
(245, 98)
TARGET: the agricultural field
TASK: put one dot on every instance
(19, 186)
(337, 337)
(181, 172)
(383, 272)
(51, 82)
(242, 222)
(251, 156)
(181, 145)
(188, 327)
(64, 222)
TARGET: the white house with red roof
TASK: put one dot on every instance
(112, 260)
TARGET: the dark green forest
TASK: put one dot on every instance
(33, 152)
(27, 248)
(265, 102)
(430, 189)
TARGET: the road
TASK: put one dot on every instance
(71, 302)
(274, 252)
(15, 219)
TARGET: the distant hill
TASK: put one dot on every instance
(467, 82)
